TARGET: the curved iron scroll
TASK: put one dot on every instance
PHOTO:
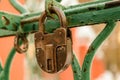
(93, 48)
(84, 73)
(18, 6)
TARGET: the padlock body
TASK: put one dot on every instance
(53, 50)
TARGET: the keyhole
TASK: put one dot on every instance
(49, 64)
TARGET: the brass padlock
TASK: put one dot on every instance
(53, 50)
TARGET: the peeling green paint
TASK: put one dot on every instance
(14, 21)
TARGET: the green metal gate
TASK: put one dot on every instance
(101, 11)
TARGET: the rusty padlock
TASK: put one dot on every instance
(53, 50)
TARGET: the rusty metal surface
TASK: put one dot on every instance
(17, 43)
(53, 50)
(77, 15)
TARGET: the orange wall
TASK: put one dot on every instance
(6, 45)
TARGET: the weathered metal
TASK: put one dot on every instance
(103, 11)
(93, 48)
(53, 50)
(76, 16)
(18, 38)
(77, 72)
(50, 3)
(4, 75)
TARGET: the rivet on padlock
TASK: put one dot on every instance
(53, 50)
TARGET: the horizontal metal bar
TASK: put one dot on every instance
(80, 19)
(80, 7)
(9, 21)
(72, 9)
(6, 33)
(92, 7)
(76, 16)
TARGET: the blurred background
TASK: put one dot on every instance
(106, 64)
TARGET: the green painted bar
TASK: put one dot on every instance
(9, 21)
(76, 69)
(79, 15)
(59, 0)
(89, 3)
(1, 67)
(8, 64)
(75, 19)
(83, 6)
(93, 48)
(18, 6)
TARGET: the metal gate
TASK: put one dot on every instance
(100, 11)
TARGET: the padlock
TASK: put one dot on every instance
(53, 50)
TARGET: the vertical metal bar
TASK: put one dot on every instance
(93, 48)
(8, 64)
(76, 69)
(1, 67)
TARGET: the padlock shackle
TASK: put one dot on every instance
(58, 12)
